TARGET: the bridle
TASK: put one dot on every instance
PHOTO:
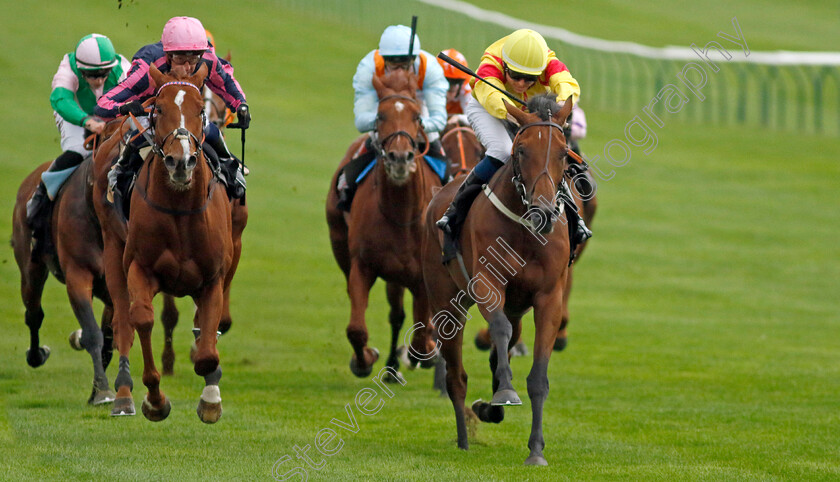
(518, 182)
(381, 144)
(180, 132)
(157, 148)
(459, 131)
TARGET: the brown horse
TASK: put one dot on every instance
(178, 241)
(583, 192)
(380, 237)
(73, 255)
(461, 146)
(513, 259)
(217, 113)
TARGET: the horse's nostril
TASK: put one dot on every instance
(191, 161)
(169, 161)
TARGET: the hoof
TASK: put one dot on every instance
(402, 354)
(519, 349)
(38, 357)
(389, 377)
(224, 325)
(488, 413)
(209, 412)
(482, 340)
(155, 414)
(536, 460)
(372, 353)
(101, 397)
(505, 397)
(560, 344)
(76, 340)
(123, 407)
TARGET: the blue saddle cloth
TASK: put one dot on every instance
(437, 165)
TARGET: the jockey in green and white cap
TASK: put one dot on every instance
(83, 76)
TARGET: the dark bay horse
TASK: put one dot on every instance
(515, 257)
(461, 146)
(178, 241)
(380, 237)
(74, 256)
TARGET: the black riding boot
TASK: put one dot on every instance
(453, 219)
(347, 179)
(126, 165)
(230, 167)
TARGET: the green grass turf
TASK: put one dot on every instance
(703, 342)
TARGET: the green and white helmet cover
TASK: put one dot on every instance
(95, 52)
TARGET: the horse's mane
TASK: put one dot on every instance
(544, 105)
(401, 81)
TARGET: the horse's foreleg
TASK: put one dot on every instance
(208, 314)
(169, 318)
(32, 278)
(142, 289)
(79, 289)
(547, 319)
(358, 288)
(395, 294)
(123, 331)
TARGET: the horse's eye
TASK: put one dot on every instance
(158, 109)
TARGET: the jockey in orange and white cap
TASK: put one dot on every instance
(459, 88)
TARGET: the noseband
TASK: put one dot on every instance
(517, 180)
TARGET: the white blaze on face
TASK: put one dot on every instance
(539, 135)
(179, 100)
(399, 106)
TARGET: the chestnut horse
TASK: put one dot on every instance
(380, 237)
(73, 254)
(177, 241)
(217, 113)
(461, 146)
(513, 259)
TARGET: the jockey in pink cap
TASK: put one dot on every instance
(183, 47)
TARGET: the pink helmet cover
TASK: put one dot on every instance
(183, 33)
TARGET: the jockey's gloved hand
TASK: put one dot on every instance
(244, 115)
(132, 107)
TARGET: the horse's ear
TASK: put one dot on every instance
(519, 117)
(563, 114)
(378, 85)
(198, 77)
(157, 76)
(227, 57)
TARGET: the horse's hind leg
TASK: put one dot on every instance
(395, 294)
(501, 331)
(79, 289)
(156, 406)
(456, 384)
(32, 278)
(488, 412)
(562, 339)
(169, 319)
(239, 219)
